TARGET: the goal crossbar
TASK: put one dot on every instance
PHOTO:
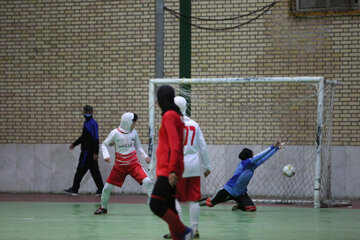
(234, 80)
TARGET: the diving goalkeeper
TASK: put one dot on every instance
(236, 187)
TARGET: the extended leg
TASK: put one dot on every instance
(245, 203)
(221, 196)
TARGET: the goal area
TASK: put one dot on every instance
(234, 113)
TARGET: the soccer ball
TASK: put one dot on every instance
(288, 170)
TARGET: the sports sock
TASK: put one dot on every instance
(105, 196)
(178, 208)
(176, 227)
(194, 212)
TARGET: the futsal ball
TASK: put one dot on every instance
(288, 170)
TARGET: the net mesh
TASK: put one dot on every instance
(254, 115)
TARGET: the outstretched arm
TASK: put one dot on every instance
(266, 154)
(260, 155)
(266, 157)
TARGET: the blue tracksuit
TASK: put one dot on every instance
(89, 141)
(237, 185)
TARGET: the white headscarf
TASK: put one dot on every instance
(126, 121)
(181, 103)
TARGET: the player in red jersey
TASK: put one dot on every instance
(170, 164)
(196, 163)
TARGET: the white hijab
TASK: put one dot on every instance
(126, 122)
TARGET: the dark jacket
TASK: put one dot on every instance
(89, 138)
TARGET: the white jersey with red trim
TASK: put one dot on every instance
(196, 156)
(126, 145)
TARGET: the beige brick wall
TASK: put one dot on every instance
(57, 56)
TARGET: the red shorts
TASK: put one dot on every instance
(119, 172)
(188, 189)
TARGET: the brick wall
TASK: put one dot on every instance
(276, 44)
(57, 56)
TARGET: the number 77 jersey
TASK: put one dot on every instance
(196, 156)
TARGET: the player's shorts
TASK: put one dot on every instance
(162, 189)
(188, 189)
(119, 172)
(165, 193)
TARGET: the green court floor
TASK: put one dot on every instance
(51, 220)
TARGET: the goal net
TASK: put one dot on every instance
(253, 113)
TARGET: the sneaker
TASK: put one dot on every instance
(98, 193)
(250, 208)
(167, 236)
(202, 202)
(196, 234)
(70, 191)
(208, 203)
(188, 234)
(100, 211)
(205, 202)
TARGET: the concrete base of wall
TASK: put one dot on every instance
(50, 168)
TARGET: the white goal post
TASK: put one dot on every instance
(320, 93)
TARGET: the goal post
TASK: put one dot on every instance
(318, 160)
(271, 100)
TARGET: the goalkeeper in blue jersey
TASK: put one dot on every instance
(236, 187)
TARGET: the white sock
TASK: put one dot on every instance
(105, 196)
(148, 184)
(194, 212)
(178, 208)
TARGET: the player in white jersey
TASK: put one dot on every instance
(196, 158)
(127, 143)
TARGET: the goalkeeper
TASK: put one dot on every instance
(236, 187)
